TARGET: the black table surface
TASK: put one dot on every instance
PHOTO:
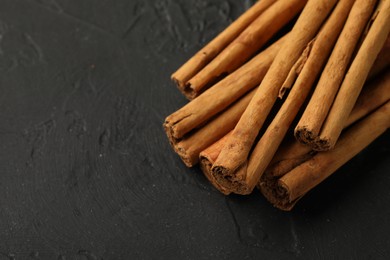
(86, 170)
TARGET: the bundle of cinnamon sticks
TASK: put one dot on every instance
(285, 117)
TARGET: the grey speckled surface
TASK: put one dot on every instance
(86, 171)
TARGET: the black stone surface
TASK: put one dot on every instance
(86, 171)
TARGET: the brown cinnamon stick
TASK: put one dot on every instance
(245, 45)
(316, 111)
(319, 51)
(221, 95)
(190, 146)
(212, 49)
(292, 153)
(235, 152)
(207, 159)
(296, 183)
(355, 78)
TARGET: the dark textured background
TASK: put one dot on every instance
(86, 171)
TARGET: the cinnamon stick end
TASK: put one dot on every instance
(223, 177)
(233, 181)
(179, 83)
(169, 132)
(189, 92)
(184, 87)
(205, 166)
(189, 159)
(275, 193)
(322, 144)
(304, 135)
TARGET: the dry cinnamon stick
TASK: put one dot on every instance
(212, 49)
(235, 152)
(292, 153)
(190, 146)
(245, 45)
(355, 78)
(296, 183)
(207, 159)
(376, 93)
(319, 51)
(316, 111)
(221, 95)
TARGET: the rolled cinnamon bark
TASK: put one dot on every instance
(245, 45)
(212, 49)
(355, 78)
(221, 95)
(320, 49)
(297, 182)
(235, 152)
(317, 109)
(206, 160)
(292, 153)
(190, 146)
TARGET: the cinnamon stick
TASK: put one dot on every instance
(316, 111)
(292, 153)
(235, 152)
(213, 48)
(296, 183)
(221, 95)
(320, 49)
(355, 78)
(207, 159)
(190, 146)
(245, 45)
